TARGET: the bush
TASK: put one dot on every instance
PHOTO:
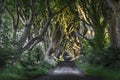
(32, 57)
(100, 71)
(32, 73)
(18, 72)
(9, 76)
(41, 69)
(12, 73)
(5, 56)
(109, 57)
(7, 43)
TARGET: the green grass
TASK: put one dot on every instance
(12, 73)
(33, 73)
(105, 73)
(16, 74)
(9, 76)
(20, 73)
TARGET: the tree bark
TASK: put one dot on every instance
(115, 8)
(2, 8)
(118, 27)
(24, 35)
(0, 21)
(112, 30)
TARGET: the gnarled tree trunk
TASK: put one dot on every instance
(2, 8)
(115, 27)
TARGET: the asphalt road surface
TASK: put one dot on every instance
(66, 77)
(66, 70)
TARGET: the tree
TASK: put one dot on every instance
(30, 21)
(2, 8)
(61, 33)
(114, 25)
(92, 13)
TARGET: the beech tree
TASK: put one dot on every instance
(114, 25)
(2, 8)
(92, 13)
(31, 22)
(60, 25)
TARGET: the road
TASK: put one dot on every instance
(66, 70)
(66, 77)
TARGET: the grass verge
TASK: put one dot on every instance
(105, 73)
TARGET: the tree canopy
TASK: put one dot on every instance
(57, 26)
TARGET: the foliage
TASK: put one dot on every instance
(32, 71)
(29, 27)
(99, 71)
(40, 69)
(6, 47)
(32, 57)
(93, 12)
(108, 57)
(18, 72)
(13, 73)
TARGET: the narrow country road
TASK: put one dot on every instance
(67, 77)
(66, 70)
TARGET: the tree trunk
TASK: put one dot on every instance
(0, 21)
(117, 16)
(24, 35)
(112, 31)
(115, 8)
(2, 8)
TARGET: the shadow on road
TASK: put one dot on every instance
(67, 77)
(66, 70)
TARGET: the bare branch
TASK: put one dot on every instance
(17, 13)
(21, 13)
(36, 42)
(21, 18)
(85, 22)
(9, 12)
(82, 36)
(27, 25)
(40, 37)
(48, 8)
(45, 26)
(16, 5)
(11, 15)
(2, 6)
(60, 10)
(32, 14)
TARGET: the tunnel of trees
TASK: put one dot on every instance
(34, 34)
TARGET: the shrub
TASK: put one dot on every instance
(32, 57)
(109, 57)
(15, 72)
(6, 46)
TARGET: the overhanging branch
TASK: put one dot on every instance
(82, 36)
(40, 38)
